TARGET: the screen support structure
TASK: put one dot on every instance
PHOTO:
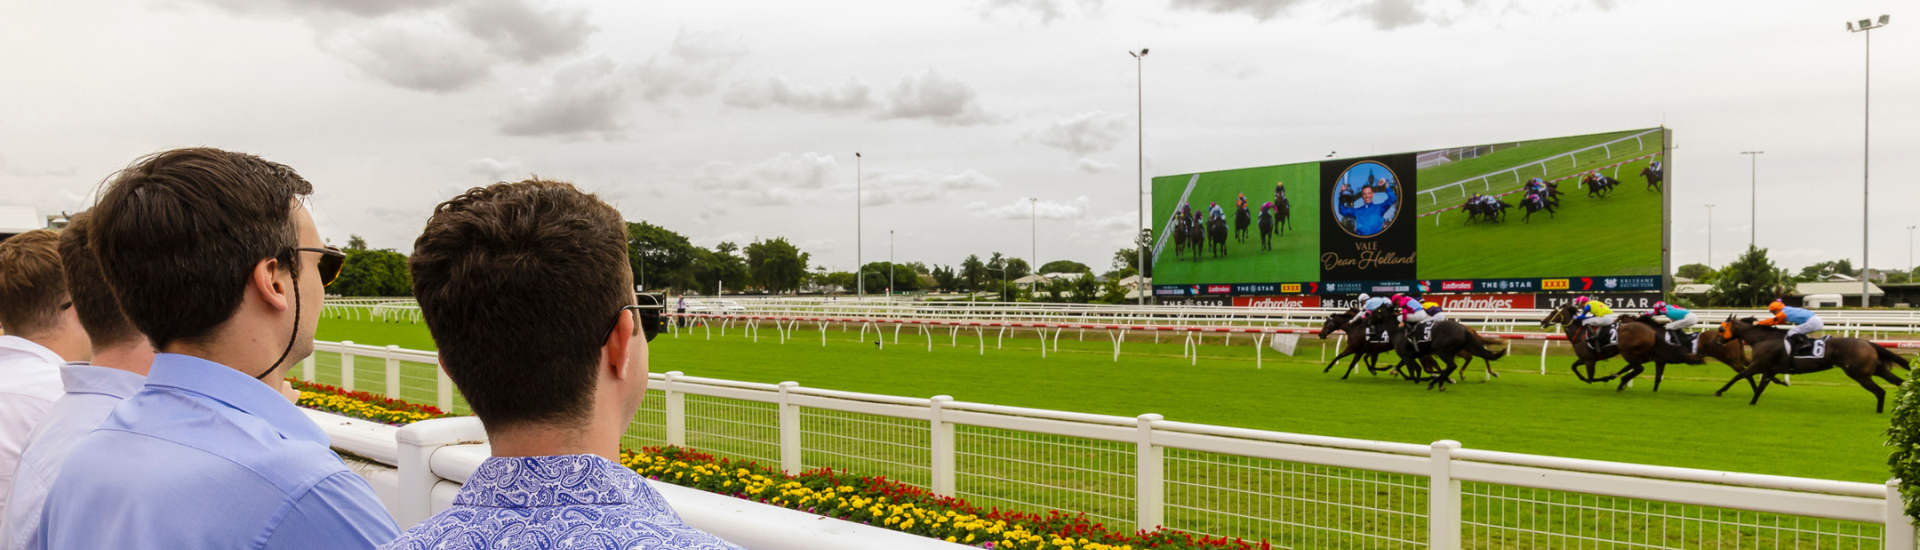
(1666, 211)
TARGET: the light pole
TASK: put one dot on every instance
(1753, 183)
(859, 263)
(1140, 156)
(1866, 136)
(1910, 253)
(889, 265)
(1710, 236)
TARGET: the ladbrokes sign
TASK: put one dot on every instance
(1276, 302)
(1485, 301)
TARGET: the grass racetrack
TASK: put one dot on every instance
(1614, 235)
(1296, 251)
(1821, 427)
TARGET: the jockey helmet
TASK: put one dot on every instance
(1364, 297)
(1399, 297)
(1659, 306)
(1430, 304)
(1580, 301)
(1776, 306)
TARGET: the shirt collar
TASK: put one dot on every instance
(83, 377)
(234, 389)
(540, 481)
(29, 346)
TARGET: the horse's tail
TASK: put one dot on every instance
(1888, 356)
(1477, 346)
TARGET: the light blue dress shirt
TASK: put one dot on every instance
(91, 394)
(206, 457)
(575, 502)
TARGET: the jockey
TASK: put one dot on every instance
(1804, 323)
(1410, 309)
(1216, 212)
(1434, 312)
(1678, 319)
(1280, 192)
(1268, 207)
(1369, 304)
(1594, 313)
(1241, 202)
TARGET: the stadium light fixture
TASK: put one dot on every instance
(1140, 190)
(1866, 158)
(1753, 168)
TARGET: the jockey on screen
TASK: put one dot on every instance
(1216, 212)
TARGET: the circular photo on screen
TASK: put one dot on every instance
(1366, 199)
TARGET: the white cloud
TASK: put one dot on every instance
(921, 186)
(582, 97)
(1390, 14)
(936, 97)
(853, 95)
(1046, 10)
(492, 170)
(433, 45)
(1259, 9)
(691, 67)
(1076, 209)
(782, 180)
(1091, 166)
(1086, 133)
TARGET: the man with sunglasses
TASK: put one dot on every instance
(214, 257)
(527, 291)
(42, 333)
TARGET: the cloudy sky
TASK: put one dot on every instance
(734, 120)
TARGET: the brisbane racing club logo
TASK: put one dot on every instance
(1368, 199)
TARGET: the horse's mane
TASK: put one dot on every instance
(1645, 320)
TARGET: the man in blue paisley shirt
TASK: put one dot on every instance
(527, 291)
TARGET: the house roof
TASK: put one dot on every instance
(1030, 279)
(1842, 288)
(1691, 289)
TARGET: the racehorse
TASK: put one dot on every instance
(1599, 185)
(1535, 203)
(1860, 359)
(1242, 218)
(1217, 235)
(1283, 220)
(1357, 345)
(1449, 340)
(1179, 234)
(1653, 177)
(1493, 211)
(1638, 342)
(1266, 228)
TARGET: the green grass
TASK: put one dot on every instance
(1295, 254)
(1520, 156)
(1614, 235)
(1822, 427)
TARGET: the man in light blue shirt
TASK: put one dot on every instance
(121, 356)
(526, 289)
(212, 255)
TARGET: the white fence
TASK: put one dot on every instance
(1572, 157)
(1298, 491)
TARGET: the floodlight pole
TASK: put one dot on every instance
(1866, 159)
(889, 265)
(1910, 252)
(1033, 222)
(1140, 190)
(1753, 183)
(859, 263)
(1710, 236)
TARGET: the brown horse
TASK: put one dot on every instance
(1639, 344)
(1860, 359)
(1358, 348)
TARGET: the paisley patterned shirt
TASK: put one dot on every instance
(574, 502)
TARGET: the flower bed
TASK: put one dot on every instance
(362, 405)
(890, 504)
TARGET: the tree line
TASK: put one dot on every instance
(665, 260)
(1753, 280)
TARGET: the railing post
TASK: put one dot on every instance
(1150, 496)
(1443, 499)
(393, 372)
(416, 444)
(306, 368)
(346, 365)
(789, 430)
(676, 412)
(443, 389)
(1899, 530)
(941, 446)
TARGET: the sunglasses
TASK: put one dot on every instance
(649, 318)
(332, 260)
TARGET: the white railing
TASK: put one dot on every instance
(1300, 491)
(1572, 156)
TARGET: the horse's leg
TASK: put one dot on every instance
(1763, 387)
(1441, 380)
(1659, 371)
(1879, 395)
(1746, 374)
(1336, 360)
(1627, 374)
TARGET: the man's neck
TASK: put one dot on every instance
(528, 440)
(69, 347)
(134, 356)
(246, 361)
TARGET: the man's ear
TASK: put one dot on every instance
(613, 352)
(265, 282)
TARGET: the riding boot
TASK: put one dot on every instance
(1798, 342)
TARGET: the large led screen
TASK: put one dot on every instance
(1579, 213)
